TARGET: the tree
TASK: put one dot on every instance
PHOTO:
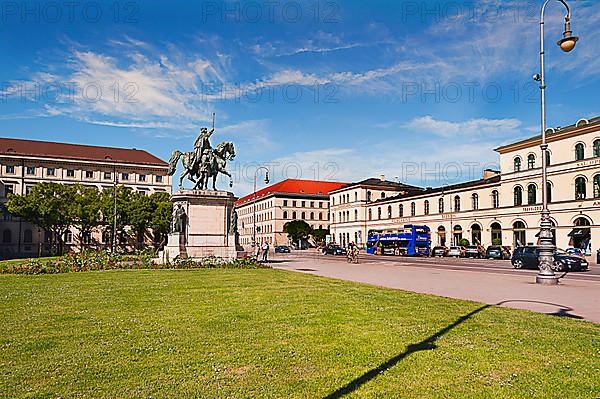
(140, 210)
(297, 230)
(319, 235)
(463, 242)
(87, 210)
(107, 207)
(161, 217)
(51, 206)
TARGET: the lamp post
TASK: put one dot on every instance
(546, 255)
(254, 200)
(114, 235)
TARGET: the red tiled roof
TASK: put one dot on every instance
(295, 186)
(51, 149)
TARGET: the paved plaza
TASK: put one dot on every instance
(486, 281)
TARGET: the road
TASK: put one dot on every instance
(488, 281)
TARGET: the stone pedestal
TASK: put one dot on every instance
(207, 226)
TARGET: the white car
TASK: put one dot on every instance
(457, 252)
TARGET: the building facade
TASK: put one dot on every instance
(504, 206)
(262, 216)
(24, 163)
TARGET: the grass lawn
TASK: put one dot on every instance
(276, 334)
(25, 260)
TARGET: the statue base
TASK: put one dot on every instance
(206, 228)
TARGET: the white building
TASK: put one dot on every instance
(503, 206)
(24, 163)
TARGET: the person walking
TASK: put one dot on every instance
(265, 251)
(258, 252)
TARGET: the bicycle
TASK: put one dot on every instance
(352, 257)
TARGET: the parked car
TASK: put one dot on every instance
(439, 251)
(575, 252)
(457, 252)
(527, 258)
(282, 249)
(474, 251)
(333, 249)
(497, 252)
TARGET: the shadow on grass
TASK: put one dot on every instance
(429, 344)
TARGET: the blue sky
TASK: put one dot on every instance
(334, 90)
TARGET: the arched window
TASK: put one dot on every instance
(517, 164)
(285, 214)
(379, 213)
(597, 186)
(495, 199)
(382, 195)
(579, 152)
(294, 214)
(441, 205)
(370, 214)
(476, 234)
(426, 206)
(530, 161)
(475, 201)
(548, 158)
(303, 216)
(549, 192)
(457, 234)
(401, 210)
(597, 148)
(580, 189)
(312, 216)
(413, 209)
(531, 194)
(355, 197)
(389, 212)
(369, 195)
(518, 194)
(496, 229)
(27, 236)
(457, 204)
(320, 215)
(519, 234)
(6, 236)
(355, 215)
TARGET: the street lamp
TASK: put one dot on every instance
(254, 206)
(546, 255)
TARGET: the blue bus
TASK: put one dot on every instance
(410, 241)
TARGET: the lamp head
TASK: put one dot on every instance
(267, 178)
(567, 43)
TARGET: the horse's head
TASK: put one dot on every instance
(173, 162)
(226, 150)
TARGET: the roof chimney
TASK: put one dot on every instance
(382, 177)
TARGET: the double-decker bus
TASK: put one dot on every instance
(410, 241)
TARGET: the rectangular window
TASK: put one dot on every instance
(294, 204)
(320, 205)
(50, 172)
(30, 170)
(285, 203)
(124, 176)
(89, 174)
(312, 204)
(10, 169)
(70, 173)
(303, 205)
(159, 179)
(107, 175)
(142, 178)
(8, 189)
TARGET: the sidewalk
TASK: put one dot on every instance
(572, 298)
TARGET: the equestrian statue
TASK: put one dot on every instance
(204, 163)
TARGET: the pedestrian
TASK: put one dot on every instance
(265, 251)
(258, 249)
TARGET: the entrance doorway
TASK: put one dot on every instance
(519, 234)
(441, 236)
(476, 234)
(496, 229)
(581, 235)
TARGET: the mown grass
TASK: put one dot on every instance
(276, 334)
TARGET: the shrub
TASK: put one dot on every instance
(100, 260)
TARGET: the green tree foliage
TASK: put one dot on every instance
(297, 230)
(87, 210)
(319, 235)
(161, 217)
(51, 206)
(463, 242)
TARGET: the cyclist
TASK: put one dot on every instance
(353, 253)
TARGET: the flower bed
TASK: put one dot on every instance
(98, 260)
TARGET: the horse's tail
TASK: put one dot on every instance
(173, 162)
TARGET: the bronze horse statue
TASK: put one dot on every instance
(200, 173)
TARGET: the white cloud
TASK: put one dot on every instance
(472, 128)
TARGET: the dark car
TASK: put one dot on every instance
(497, 252)
(439, 251)
(282, 249)
(474, 251)
(333, 249)
(527, 258)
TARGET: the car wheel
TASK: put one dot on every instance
(518, 264)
